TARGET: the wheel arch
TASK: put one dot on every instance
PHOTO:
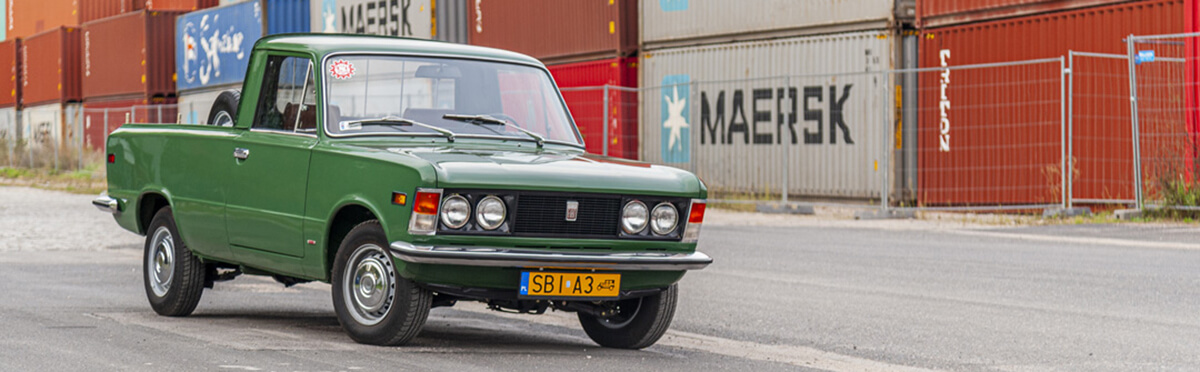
(149, 202)
(345, 217)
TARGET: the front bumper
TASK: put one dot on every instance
(107, 203)
(525, 258)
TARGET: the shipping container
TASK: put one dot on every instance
(213, 45)
(28, 17)
(404, 18)
(672, 23)
(102, 117)
(933, 13)
(54, 125)
(450, 20)
(130, 54)
(91, 10)
(998, 141)
(9, 128)
(10, 68)
(183, 5)
(195, 105)
(556, 31)
(51, 66)
(809, 114)
(4, 20)
(582, 85)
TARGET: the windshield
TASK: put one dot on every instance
(382, 89)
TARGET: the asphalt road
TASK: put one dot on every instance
(786, 293)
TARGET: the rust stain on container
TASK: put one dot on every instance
(10, 67)
(587, 105)
(1002, 144)
(555, 30)
(51, 67)
(130, 54)
(939, 13)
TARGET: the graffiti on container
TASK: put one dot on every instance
(717, 128)
(375, 17)
(944, 104)
(676, 131)
(214, 45)
(673, 5)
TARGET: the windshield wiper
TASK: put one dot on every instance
(398, 121)
(486, 119)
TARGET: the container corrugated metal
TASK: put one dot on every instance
(194, 106)
(102, 117)
(672, 23)
(406, 18)
(587, 104)
(971, 177)
(745, 117)
(556, 31)
(28, 17)
(932, 13)
(54, 125)
(213, 45)
(51, 66)
(9, 132)
(184, 5)
(130, 54)
(450, 21)
(10, 68)
(91, 10)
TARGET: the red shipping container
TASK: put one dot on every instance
(940, 13)
(10, 68)
(29, 17)
(556, 30)
(1004, 134)
(91, 10)
(130, 54)
(587, 104)
(185, 5)
(102, 117)
(51, 67)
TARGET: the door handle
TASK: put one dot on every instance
(241, 154)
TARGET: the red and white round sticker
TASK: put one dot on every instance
(341, 69)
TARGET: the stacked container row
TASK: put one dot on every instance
(994, 135)
(10, 86)
(25, 18)
(51, 68)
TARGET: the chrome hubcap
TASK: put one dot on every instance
(368, 284)
(223, 119)
(160, 263)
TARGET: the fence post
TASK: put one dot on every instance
(1063, 74)
(79, 133)
(160, 119)
(787, 149)
(106, 130)
(604, 127)
(1070, 195)
(887, 152)
(1133, 114)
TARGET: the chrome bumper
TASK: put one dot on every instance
(524, 258)
(107, 204)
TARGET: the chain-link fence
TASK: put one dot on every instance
(1165, 119)
(67, 136)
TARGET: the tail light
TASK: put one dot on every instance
(691, 233)
(425, 212)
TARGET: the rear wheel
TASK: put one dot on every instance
(638, 322)
(174, 278)
(224, 110)
(373, 303)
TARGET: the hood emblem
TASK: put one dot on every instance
(572, 210)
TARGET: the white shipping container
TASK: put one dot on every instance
(405, 18)
(194, 106)
(8, 126)
(55, 125)
(812, 113)
(673, 23)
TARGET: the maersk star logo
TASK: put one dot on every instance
(676, 131)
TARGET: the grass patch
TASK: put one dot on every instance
(88, 180)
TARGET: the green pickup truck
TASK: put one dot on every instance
(409, 175)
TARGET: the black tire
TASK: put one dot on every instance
(640, 322)
(225, 107)
(395, 310)
(172, 276)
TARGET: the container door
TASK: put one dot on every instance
(265, 211)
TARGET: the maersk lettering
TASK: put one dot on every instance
(787, 103)
(383, 17)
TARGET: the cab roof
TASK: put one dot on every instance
(322, 45)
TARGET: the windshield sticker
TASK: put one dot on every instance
(341, 69)
(349, 125)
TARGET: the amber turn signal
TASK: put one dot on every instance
(697, 213)
(399, 198)
(427, 202)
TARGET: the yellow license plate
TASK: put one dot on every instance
(591, 285)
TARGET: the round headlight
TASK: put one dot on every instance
(664, 218)
(634, 217)
(489, 213)
(455, 211)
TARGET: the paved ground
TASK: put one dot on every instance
(786, 293)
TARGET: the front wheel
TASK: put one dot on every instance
(638, 323)
(373, 303)
(174, 278)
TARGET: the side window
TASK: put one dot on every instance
(287, 101)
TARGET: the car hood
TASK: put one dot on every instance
(554, 171)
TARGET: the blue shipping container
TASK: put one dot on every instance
(213, 45)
